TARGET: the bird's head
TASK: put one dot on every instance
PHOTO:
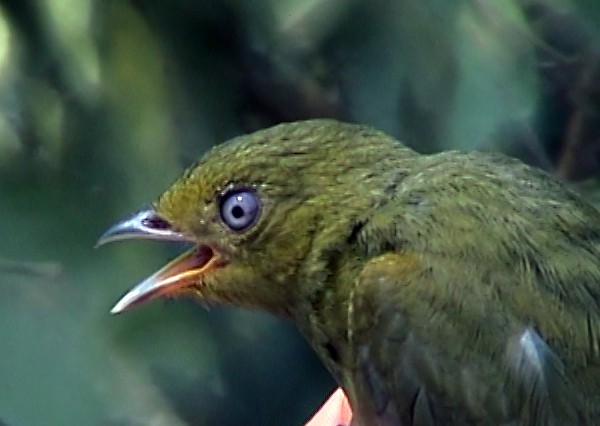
(265, 212)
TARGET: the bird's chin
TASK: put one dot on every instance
(180, 275)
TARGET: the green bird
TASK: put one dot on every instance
(446, 289)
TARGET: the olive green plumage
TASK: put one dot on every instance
(450, 289)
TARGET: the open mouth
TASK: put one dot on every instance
(178, 275)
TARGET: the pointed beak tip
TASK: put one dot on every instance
(110, 235)
(107, 236)
(100, 242)
(121, 306)
(131, 299)
(115, 310)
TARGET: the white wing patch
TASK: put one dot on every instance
(534, 350)
(539, 379)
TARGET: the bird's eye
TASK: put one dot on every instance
(240, 209)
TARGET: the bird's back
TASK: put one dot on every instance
(480, 301)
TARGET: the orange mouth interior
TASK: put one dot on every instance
(184, 270)
(178, 275)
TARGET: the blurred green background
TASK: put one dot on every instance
(104, 102)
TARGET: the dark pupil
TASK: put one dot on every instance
(237, 212)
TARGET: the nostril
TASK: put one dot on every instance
(156, 222)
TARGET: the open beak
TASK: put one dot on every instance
(177, 276)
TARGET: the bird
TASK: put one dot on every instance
(455, 288)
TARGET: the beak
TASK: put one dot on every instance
(144, 225)
(178, 275)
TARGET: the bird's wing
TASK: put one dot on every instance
(429, 356)
(479, 306)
